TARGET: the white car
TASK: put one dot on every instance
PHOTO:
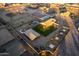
(22, 31)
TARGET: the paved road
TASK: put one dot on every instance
(72, 38)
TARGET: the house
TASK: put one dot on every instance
(31, 34)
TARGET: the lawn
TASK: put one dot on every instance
(45, 32)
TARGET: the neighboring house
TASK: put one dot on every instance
(5, 36)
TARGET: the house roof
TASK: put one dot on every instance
(31, 34)
(5, 36)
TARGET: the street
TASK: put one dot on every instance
(72, 38)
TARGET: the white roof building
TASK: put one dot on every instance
(31, 34)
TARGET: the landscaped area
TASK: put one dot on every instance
(39, 28)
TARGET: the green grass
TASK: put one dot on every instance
(45, 32)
